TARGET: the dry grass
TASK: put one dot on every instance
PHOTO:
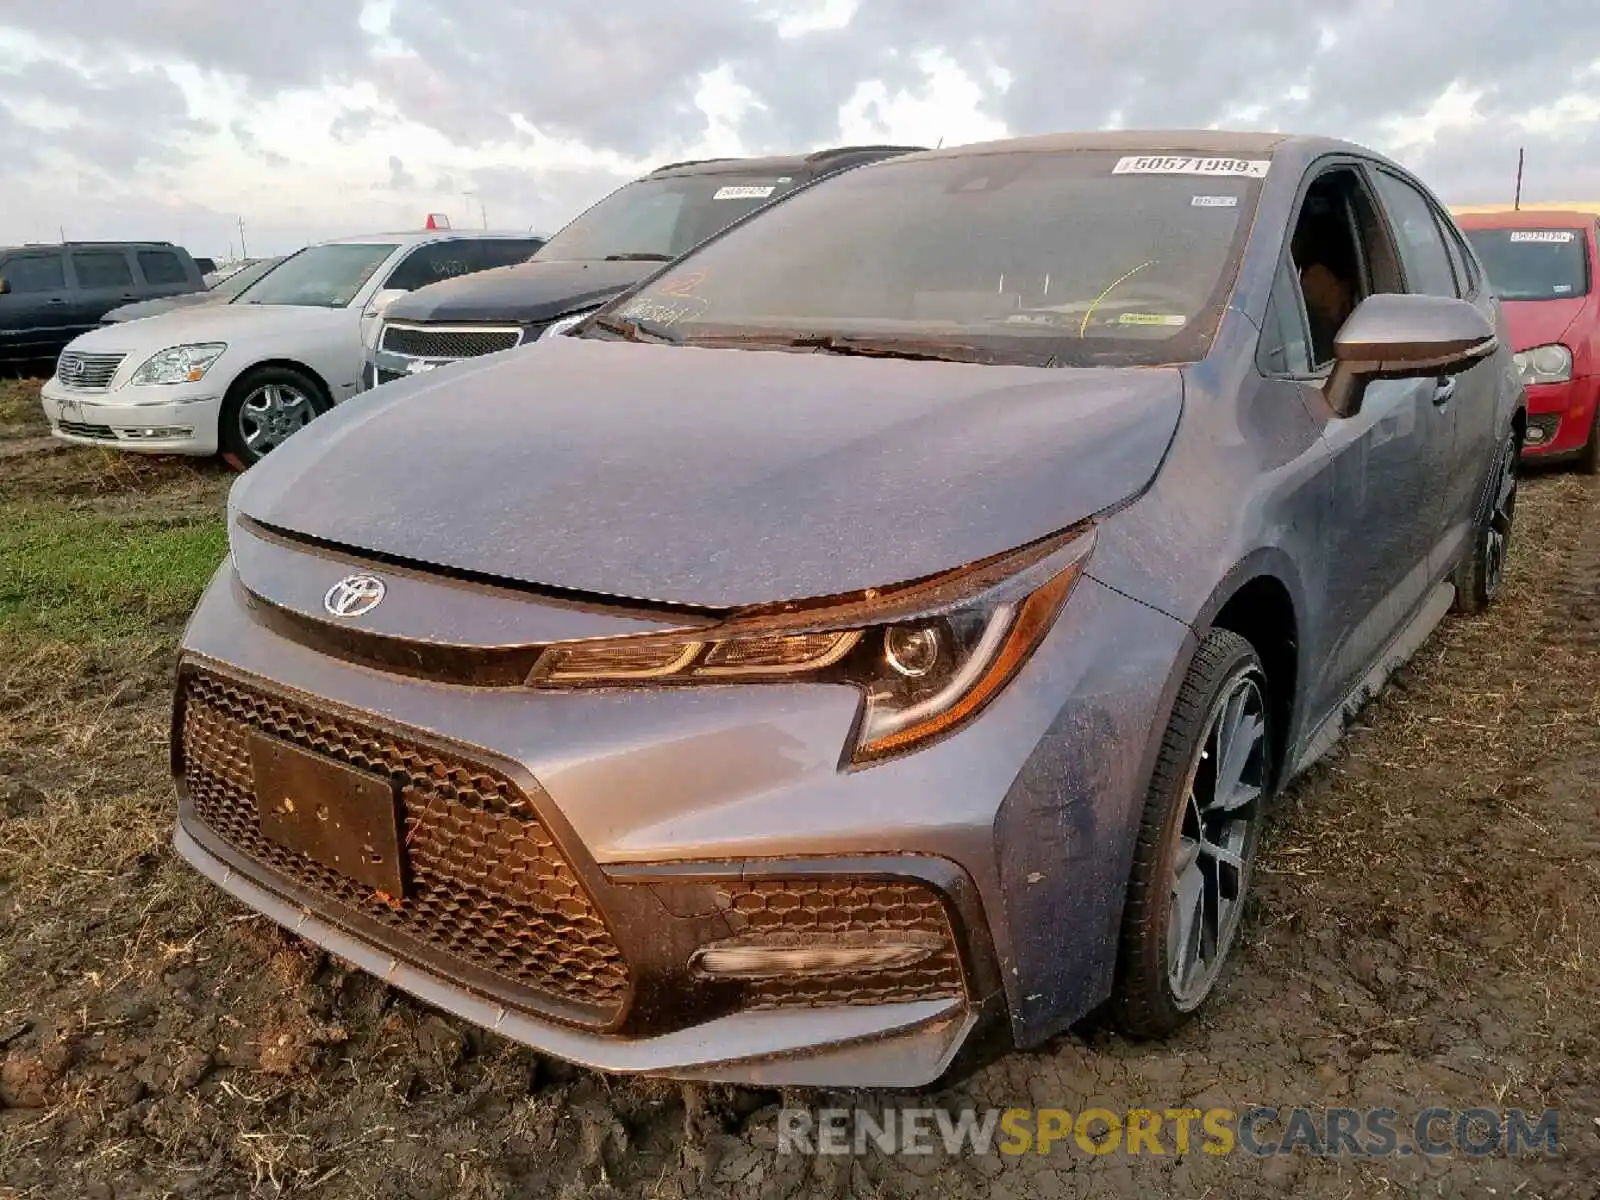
(1424, 929)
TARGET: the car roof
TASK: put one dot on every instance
(108, 245)
(418, 237)
(1149, 141)
(1537, 216)
(831, 158)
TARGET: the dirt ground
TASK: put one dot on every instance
(1424, 932)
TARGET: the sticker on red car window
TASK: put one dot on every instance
(1167, 164)
(743, 193)
(1542, 235)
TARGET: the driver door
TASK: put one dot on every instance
(1384, 504)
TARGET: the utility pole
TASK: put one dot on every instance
(243, 253)
(1517, 203)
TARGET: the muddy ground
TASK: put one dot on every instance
(1426, 931)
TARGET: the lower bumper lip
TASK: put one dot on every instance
(907, 1044)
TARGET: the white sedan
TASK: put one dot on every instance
(239, 378)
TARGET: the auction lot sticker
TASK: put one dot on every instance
(1159, 164)
(1542, 235)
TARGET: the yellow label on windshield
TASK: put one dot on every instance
(1151, 319)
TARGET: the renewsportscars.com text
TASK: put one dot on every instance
(1260, 1132)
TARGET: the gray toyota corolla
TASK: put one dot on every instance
(872, 641)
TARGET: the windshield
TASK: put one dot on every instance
(1026, 257)
(326, 276)
(1533, 264)
(241, 279)
(659, 219)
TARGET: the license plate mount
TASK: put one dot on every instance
(340, 816)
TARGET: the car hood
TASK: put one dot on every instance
(528, 292)
(715, 477)
(141, 309)
(1540, 322)
(210, 323)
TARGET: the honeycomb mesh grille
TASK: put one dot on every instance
(777, 912)
(488, 886)
(447, 342)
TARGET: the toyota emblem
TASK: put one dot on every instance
(354, 595)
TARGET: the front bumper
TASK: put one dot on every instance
(183, 421)
(664, 806)
(1561, 417)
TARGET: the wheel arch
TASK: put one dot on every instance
(1261, 600)
(292, 364)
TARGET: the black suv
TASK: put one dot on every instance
(49, 294)
(600, 254)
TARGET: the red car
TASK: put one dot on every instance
(1542, 265)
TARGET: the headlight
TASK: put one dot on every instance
(1544, 364)
(566, 323)
(928, 657)
(179, 364)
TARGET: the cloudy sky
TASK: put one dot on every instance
(313, 118)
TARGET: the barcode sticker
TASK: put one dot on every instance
(1166, 164)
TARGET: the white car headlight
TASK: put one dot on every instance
(1544, 364)
(566, 323)
(179, 364)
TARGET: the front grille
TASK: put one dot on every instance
(80, 429)
(88, 372)
(778, 912)
(489, 888)
(448, 341)
(381, 376)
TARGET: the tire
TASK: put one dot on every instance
(274, 402)
(1481, 576)
(1588, 462)
(1163, 976)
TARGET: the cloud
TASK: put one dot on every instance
(286, 110)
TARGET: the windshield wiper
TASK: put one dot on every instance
(638, 256)
(634, 331)
(865, 347)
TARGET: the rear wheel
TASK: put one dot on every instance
(1197, 842)
(262, 409)
(1481, 576)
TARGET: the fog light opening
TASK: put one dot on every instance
(781, 962)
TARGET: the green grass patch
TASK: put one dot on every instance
(84, 575)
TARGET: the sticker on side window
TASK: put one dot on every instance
(743, 193)
(1166, 164)
(1214, 202)
(1542, 235)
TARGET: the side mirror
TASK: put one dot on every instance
(5, 287)
(382, 299)
(1399, 336)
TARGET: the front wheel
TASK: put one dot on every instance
(1197, 841)
(1481, 576)
(1589, 457)
(262, 409)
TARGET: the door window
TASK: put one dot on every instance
(1340, 254)
(161, 268)
(35, 273)
(102, 269)
(504, 252)
(1285, 346)
(432, 263)
(1422, 247)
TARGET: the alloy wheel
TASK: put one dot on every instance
(1216, 840)
(1497, 532)
(272, 412)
